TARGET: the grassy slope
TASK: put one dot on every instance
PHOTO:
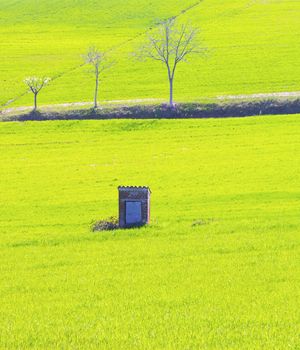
(231, 283)
(255, 47)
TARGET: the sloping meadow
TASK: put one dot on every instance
(218, 268)
(253, 48)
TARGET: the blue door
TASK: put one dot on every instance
(133, 213)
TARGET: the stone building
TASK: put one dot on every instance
(134, 206)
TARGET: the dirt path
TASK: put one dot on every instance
(79, 104)
(260, 96)
(56, 107)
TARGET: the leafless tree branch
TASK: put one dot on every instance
(35, 85)
(171, 44)
(100, 63)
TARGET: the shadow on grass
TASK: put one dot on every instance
(163, 111)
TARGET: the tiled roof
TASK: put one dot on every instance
(135, 188)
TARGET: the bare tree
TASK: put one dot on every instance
(100, 63)
(35, 85)
(171, 44)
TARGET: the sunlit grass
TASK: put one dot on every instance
(254, 47)
(218, 268)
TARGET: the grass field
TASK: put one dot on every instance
(218, 268)
(254, 47)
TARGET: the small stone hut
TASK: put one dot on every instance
(134, 206)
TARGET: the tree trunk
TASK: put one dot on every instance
(171, 92)
(35, 102)
(96, 91)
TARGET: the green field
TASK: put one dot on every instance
(254, 47)
(219, 265)
(218, 268)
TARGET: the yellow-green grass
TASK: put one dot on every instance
(230, 281)
(254, 47)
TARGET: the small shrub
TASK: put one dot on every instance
(105, 225)
(202, 222)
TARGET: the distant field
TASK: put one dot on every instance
(230, 281)
(255, 47)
